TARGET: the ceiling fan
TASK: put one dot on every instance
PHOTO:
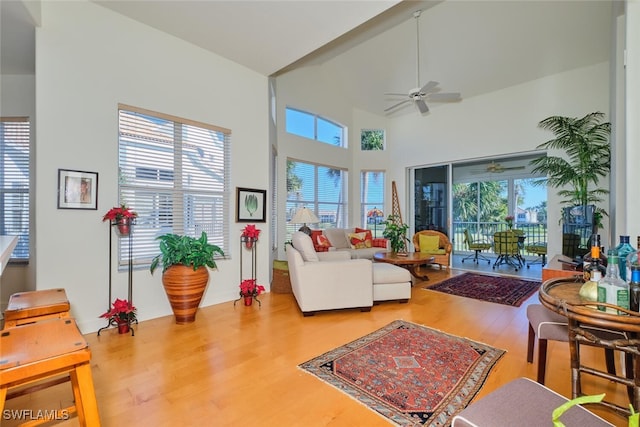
(420, 94)
(494, 167)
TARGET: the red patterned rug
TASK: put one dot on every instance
(411, 374)
(498, 289)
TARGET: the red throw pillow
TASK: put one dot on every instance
(368, 240)
(314, 237)
(322, 241)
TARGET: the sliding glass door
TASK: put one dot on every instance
(431, 198)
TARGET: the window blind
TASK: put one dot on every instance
(175, 174)
(322, 189)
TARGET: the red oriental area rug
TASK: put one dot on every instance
(411, 374)
(501, 290)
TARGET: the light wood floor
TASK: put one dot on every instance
(237, 366)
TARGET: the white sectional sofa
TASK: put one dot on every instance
(332, 280)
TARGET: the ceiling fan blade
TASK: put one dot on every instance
(422, 106)
(512, 168)
(396, 105)
(444, 97)
(427, 87)
(396, 94)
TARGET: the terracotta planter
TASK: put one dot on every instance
(185, 288)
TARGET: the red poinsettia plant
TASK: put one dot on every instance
(117, 213)
(249, 288)
(251, 232)
(509, 219)
(121, 310)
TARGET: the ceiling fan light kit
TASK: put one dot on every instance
(421, 94)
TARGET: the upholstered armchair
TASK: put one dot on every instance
(434, 243)
(328, 280)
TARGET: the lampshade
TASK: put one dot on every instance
(304, 216)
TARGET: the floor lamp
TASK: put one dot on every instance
(304, 216)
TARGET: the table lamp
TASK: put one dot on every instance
(304, 216)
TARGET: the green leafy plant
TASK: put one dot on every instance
(396, 232)
(185, 250)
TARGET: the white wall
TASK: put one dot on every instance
(89, 59)
(498, 123)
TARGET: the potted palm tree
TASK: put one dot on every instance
(585, 142)
(184, 274)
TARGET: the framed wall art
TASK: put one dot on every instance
(251, 205)
(77, 189)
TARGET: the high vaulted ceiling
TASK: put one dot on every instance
(367, 47)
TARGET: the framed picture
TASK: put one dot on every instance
(77, 189)
(251, 205)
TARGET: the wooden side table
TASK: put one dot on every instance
(411, 261)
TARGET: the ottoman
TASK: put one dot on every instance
(391, 282)
(523, 402)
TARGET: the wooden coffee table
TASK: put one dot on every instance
(411, 261)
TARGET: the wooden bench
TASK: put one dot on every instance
(44, 350)
(29, 307)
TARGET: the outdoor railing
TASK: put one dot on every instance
(483, 231)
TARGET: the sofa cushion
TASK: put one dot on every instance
(303, 243)
(429, 244)
(389, 273)
(359, 240)
(338, 237)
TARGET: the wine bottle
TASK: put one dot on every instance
(634, 288)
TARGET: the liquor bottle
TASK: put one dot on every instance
(594, 259)
(611, 288)
(633, 258)
(634, 288)
(589, 290)
(623, 249)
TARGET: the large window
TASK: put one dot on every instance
(175, 174)
(372, 201)
(312, 126)
(14, 182)
(322, 189)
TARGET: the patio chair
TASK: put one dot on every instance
(476, 247)
(505, 245)
(540, 249)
